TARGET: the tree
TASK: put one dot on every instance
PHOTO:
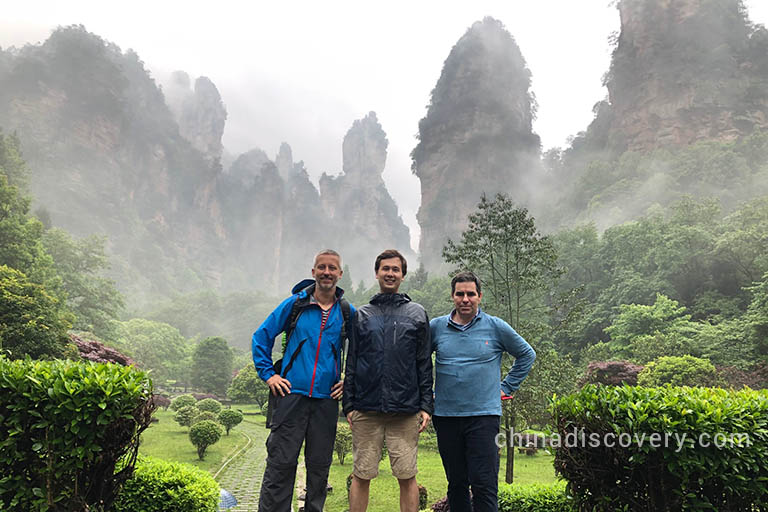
(212, 365)
(210, 405)
(516, 264)
(93, 298)
(247, 386)
(182, 401)
(155, 346)
(343, 442)
(32, 321)
(185, 415)
(203, 435)
(518, 270)
(230, 418)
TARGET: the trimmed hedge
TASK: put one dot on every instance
(210, 405)
(182, 401)
(160, 486)
(535, 498)
(203, 435)
(684, 468)
(64, 425)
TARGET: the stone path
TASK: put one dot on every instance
(242, 476)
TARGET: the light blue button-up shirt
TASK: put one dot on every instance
(468, 364)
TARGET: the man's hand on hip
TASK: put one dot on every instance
(337, 390)
(424, 418)
(279, 385)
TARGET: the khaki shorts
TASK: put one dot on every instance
(401, 431)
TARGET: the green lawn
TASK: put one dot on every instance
(169, 441)
(385, 495)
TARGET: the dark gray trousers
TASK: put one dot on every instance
(298, 420)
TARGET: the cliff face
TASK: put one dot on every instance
(685, 71)
(358, 202)
(108, 155)
(200, 113)
(477, 135)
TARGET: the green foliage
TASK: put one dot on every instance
(247, 386)
(161, 486)
(264, 408)
(230, 418)
(535, 498)
(156, 346)
(182, 401)
(210, 405)
(689, 466)
(203, 435)
(434, 295)
(93, 299)
(205, 416)
(515, 263)
(212, 365)
(553, 373)
(343, 442)
(65, 425)
(186, 415)
(32, 321)
(678, 371)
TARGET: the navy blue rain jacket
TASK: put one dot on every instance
(389, 365)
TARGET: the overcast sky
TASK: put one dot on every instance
(303, 71)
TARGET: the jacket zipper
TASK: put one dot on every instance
(317, 354)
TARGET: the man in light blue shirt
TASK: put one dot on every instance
(469, 344)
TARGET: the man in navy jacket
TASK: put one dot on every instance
(307, 385)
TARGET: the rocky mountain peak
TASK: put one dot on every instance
(365, 151)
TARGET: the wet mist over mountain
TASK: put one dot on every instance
(112, 152)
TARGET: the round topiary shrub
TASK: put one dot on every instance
(679, 371)
(210, 405)
(203, 435)
(205, 416)
(182, 401)
(230, 418)
(186, 415)
(161, 486)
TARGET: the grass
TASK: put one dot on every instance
(385, 494)
(168, 440)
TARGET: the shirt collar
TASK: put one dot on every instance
(464, 327)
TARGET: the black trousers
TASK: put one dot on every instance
(470, 456)
(298, 420)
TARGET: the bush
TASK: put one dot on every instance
(203, 435)
(679, 371)
(535, 498)
(160, 486)
(186, 415)
(94, 350)
(343, 443)
(162, 401)
(64, 425)
(684, 469)
(264, 408)
(205, 416)
(611, 373)
(210, 405)
(183, 401)
(230, 418)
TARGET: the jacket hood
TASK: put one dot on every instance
(390, 298)
(306, 283)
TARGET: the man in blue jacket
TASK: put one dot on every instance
(306, 385)
(469, 344)
(388, 384)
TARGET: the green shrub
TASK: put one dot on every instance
(671, 458)
(205, 416)
(64, 425)
(264, 408)
(230, 418)
(210, 405)
(186, 415)
(203, 435)
(182, 401)
(160, 486)
(343, 443)
(535, 498)
(678, 371)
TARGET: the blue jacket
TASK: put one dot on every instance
(468, 365)
(315, 346)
